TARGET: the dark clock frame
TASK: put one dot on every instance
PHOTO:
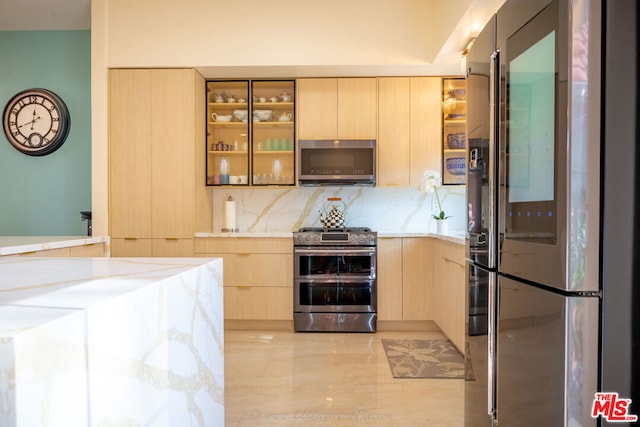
(49, 101)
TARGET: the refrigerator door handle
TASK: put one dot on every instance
(494, 86)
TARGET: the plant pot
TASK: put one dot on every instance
(442, 226)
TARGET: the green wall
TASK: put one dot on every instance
(44, 195)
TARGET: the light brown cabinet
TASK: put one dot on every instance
(405, 279)
(250, 132)
(337, 108)
(389, 278)
(258, 276)
(454, 134)
(449, 290)
(417, 275)
(409, 129)
(90, 251)
(152, 159)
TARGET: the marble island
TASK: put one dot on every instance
(20, 245)
(111, 341)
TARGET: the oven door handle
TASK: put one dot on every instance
(322, 251)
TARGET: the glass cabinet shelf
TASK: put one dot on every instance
(250, 132)
(454, 130)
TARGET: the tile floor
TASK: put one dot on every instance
(282, 378)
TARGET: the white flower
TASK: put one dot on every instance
(430, 180)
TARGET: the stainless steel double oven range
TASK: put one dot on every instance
(334, 280)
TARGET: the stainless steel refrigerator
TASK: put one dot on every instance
(539, 246)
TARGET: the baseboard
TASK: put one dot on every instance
(407, 325)
(258, 325)
(287, 325)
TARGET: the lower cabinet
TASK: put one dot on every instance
(257, 275)
(151, 247)
(404, 278)
(449, 290)
(91, 250)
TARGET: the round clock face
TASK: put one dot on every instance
(36, 122)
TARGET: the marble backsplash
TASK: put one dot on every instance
(391, 210)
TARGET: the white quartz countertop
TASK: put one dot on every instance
(111, 341)
(77, 283)
(13, 245)
(452, 236)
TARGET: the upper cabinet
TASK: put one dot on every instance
(228, 132)
(409, 129)
(454, 130)
(250, 132)
(338, 108)
(273, 132)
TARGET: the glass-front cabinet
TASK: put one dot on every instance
(250, 132)
(273, 132)
(454, 130)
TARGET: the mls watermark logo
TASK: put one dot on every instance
(612, 408)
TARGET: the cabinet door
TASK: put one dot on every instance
(357, 108)
(228, 118)
(172, 153)
(172, 247)
(131, 247)
(394, 96)
(449, 290)
(454, 135)
(425, 127)
(130, 153)
(317, 108)
(258, 303)
(90, 250)
(389, 279)
(273, 153)
(417, 277)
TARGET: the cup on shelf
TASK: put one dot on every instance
(243, 179)
(285, 97)
(231, 99)
(224, 178)
(221, 117)
(262, 99)
(284, 117)
(277, 169)
(273, 99)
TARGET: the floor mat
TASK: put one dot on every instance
(423, 359)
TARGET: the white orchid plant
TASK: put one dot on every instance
(430, 180)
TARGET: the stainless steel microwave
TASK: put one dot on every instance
(337, 162)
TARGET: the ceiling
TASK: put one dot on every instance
(34, 15)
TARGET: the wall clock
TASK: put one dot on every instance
(36, 121)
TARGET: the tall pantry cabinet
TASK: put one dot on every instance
(152, 160)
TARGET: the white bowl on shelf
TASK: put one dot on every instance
(262, 115)
(241, 115)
